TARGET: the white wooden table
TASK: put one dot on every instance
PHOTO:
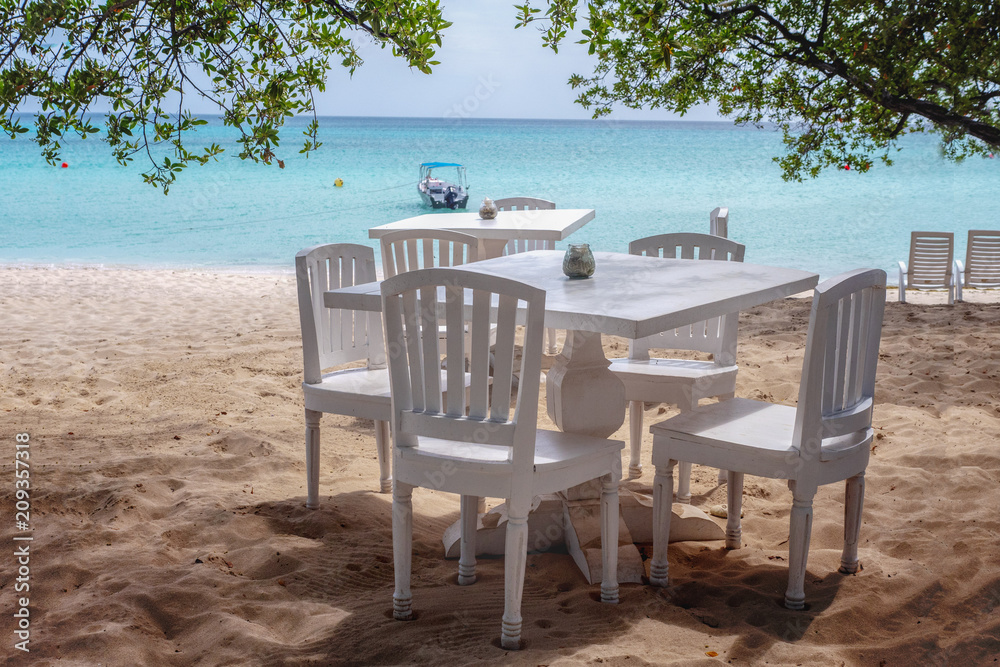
(543, 225)
(629, 296)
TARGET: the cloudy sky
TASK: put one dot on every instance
(488, 70)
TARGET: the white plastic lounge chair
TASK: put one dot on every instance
(982, 262)
(932, 255)
(825, 439)
(524, 245)
(477, 448)
(332, 337)
(680, 382)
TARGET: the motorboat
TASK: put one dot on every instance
(443, 185)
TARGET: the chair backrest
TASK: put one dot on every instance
(836, 393)
(413, 305)
(718, 221)
(717, 335)
(515, 246)
(523, 204)
(689, 245)
(932, 255)
(982, 258)
(411, 249)
(332, 336)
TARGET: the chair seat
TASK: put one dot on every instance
(684, 370)
(553, 450)
(561, 460)
(757, 434)
(673, 380)
(355, 392)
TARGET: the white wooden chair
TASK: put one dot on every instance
(332, 337)
(410, 249)
(932, 256)
(825, 439)
(476, 447)
(524, 245)
(680, 382)
(982, 262)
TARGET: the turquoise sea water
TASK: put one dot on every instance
(641, 177)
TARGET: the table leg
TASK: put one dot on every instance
(582, 395)
(490, 248)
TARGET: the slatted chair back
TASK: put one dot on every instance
(515, 246)
(411, 249)
(332, 336)
(524, 204)
(982, 258)
(837, 389)
(717, 335)
(932, 255)
(689, 245)
(414, 304)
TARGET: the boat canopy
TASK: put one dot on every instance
(432, 165)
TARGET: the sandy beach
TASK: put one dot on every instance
(168, 488)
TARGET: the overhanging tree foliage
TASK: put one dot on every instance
(260, 61)
(843, 79)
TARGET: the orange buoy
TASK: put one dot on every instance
(64, 165)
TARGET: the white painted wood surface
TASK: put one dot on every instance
(332, 337)
(411, 249)
(524, 204)
(517, 245)
(931, 264)
(541, 225)
(825, 439)
(474, 446)
(628, 296)
(680, 382)
(982, 262)
(718, 221)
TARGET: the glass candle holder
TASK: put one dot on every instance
(578, 262)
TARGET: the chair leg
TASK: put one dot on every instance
(684, 469)
(467, 557)
(723, 478)
(383, 443)
(635, 438)
(734, 504)
(402, 549)
(800, 529)
(854, 498)
(515, 559)
(609, 537)
(684, 483)
(481, 505)
(312, 458)
(663, 492)
(550, 348)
